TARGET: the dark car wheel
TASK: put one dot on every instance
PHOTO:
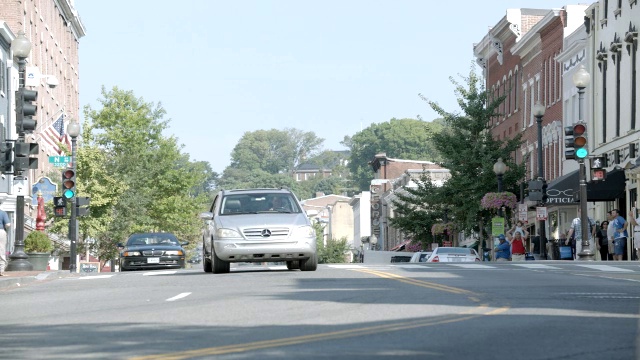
(219, 266)
(293, 265)
(310, 264)
(207, 262)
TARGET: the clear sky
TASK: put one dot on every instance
(224, 68)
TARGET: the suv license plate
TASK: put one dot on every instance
(153, 260)
(456, 259)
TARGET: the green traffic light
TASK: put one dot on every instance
(68, 194)
(582, 153)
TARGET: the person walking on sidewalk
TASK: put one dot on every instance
(603, 241)
(4, 226)
(503, 250)
(619, 236)
(576, 232)
(635, 222)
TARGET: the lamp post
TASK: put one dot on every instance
(581, 79)
(73, 129)
(21, 47)
(499, 168)
(538, 112)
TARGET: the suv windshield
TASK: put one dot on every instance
(253, 203)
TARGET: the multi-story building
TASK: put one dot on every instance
(54, 29)
(392, 175)
(519, 59)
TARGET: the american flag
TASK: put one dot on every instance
(54, 135)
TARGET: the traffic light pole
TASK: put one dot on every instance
(73, 219)
(19, 259)
(542, 223)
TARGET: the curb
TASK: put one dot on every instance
(10, 281)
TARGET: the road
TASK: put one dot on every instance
(527, 310)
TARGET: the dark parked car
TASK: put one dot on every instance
(152, 251)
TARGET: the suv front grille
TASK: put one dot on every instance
(257, 233)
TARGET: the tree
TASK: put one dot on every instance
(274, 151)
(398, 138)
(152, 185)
(417, 209)
(469, 151)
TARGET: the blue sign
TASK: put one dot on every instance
(46, 187)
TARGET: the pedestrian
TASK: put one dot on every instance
(518, 246)
(518, 228)
(635, 222)
(610, 232)
(603, 240)
(503, 249)
(5, 223)
(619, 235)
(575, 232)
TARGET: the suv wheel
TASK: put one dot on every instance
(310, 264)
(206, 264)
(219, 266)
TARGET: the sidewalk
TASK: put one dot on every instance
(19, 278)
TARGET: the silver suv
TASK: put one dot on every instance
(257, 225)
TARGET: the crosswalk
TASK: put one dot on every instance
(626, 268)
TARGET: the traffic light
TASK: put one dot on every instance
(569, 151)
(25, 110)
(22, 159)
(580, 140)
(82, 206)
(59, 206)
(68, 183)
(535, 190)
(544, 191)
(6, 157)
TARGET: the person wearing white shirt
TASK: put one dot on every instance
(610, 232)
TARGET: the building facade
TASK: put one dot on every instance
(54, 29)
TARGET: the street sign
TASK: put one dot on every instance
(522, 213)
(47, 188)
(497, 226)
(60, 161)
(541, 213)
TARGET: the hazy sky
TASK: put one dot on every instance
(224, 68)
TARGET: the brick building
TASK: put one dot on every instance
(54, 29)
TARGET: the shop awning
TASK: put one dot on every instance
(611, 188)
(400, 246)
(561, 190)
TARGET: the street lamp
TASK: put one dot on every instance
(581, 79)
(499, 168)
(73, 129)
(21, 47)
(538, 112)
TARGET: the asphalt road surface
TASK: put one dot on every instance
(527, 310)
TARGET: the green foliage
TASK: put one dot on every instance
(398, 138)
(137, 178)
(335, 251)
(417, 209)
(37, 242)
(469, 152)
(274, 151)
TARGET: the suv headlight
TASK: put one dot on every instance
(304, 231)
(227, 233)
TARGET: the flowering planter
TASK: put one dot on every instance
(497, 201)
(39, 261)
